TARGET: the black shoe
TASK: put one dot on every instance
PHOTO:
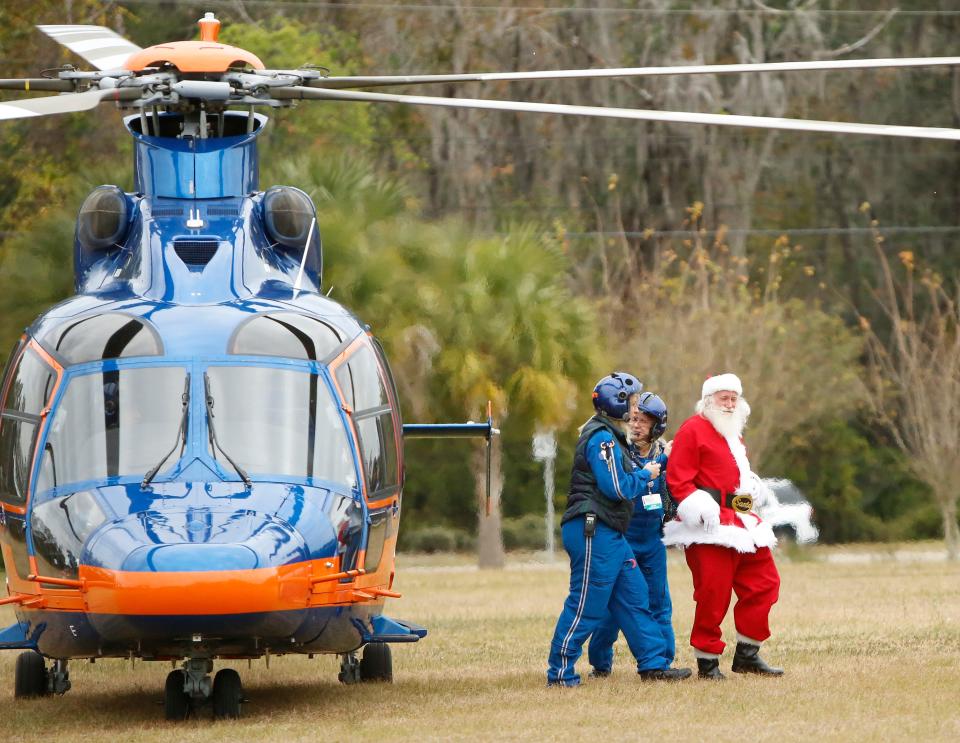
(747, 660)
(709, 668)
(597, 673)
(666, 674)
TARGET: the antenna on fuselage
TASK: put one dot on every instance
(303, 260)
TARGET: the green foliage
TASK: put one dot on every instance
(862, 488)
(281, 43)
(36, 264)
(432, 539)
(525, 532)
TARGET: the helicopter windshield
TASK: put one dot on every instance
(280, 422)
(112, 423)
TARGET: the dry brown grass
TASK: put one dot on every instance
(872, 652)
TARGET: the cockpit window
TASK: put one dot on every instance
(109, 336)
(280, 422)
(30, 387)
(360, 381)
(112, 423)
(363, 385)
(285, 334)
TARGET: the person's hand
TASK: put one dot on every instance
(667, 447)
(654, 469)
(711, 520)
(700, 508)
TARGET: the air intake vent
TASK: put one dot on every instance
(196, 252)
(223, 211)
(167, 211)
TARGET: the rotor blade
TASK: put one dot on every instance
(836, 64)
(761, 122)
(37, 83)
(65, 104)
(101, 47)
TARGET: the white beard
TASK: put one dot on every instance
(730, 425)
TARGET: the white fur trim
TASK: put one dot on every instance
(748, 640)
(697, 653)
(722, 383)
(761, 533)
(682, 534)
(699, 509)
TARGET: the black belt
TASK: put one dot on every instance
(742, 503)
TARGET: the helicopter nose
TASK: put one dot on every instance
(195, 540)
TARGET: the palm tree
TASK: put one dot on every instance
(511, 332)
(464, 318)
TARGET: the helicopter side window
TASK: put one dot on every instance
(285, 334)
(112, 423)
(378, 445)
(360, 382)
(280, 422)
(9, 366)
(30, 386)
(112, 335)
(364, 389)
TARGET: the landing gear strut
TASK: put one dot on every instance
(349, 669)
(191, 687)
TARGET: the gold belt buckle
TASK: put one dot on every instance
(742, 503)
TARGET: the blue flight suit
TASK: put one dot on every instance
(643, 536)
(604, 577)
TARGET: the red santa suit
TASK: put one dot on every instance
(730, 556)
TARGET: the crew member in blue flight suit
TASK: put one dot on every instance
(648, 421)
(604, 577)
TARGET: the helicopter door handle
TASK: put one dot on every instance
(65, 582)
(337, 576)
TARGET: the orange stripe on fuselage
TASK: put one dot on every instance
(281, 588)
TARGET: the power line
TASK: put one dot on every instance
(789, 231)
(755, 232)
(548, 9)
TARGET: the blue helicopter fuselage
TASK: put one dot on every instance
(201, 454)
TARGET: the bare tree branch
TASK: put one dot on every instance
(866, 39)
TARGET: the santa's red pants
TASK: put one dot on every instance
(716, 572)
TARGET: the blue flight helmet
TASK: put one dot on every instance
(611, 396)
(654, 406)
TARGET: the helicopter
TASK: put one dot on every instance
(201, 454)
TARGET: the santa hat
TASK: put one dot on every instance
(721, 383)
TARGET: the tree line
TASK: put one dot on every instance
(519, 258)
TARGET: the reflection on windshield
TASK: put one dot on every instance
(281, 422)
(112, 423)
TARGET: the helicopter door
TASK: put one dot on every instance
(364, 386)
(27, 390)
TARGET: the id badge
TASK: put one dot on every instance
(652, 502)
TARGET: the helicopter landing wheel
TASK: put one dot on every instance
(377, 663)
(176, 703)
(30, 675)
(227, 694)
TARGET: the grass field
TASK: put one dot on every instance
(871, 646)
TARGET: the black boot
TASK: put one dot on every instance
(599, 673)
(709, 668)
(747, 660)
(666, 674)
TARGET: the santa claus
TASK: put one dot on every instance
(726, 544)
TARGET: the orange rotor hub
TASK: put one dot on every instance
(206, 55)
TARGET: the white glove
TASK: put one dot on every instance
(700, 508)
(763, 495)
